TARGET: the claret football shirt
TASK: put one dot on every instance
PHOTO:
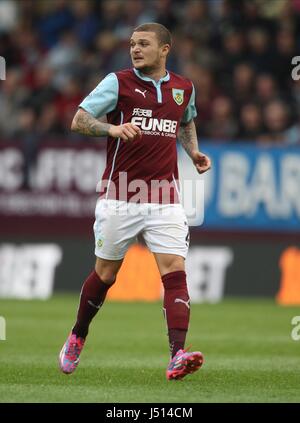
(158, 108)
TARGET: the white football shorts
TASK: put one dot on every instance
(117, 224)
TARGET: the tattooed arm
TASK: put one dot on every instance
(187, 137)
(84, 123)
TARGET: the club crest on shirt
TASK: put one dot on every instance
(178, 96)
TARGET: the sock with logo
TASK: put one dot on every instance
(176, 309)
(92, 297)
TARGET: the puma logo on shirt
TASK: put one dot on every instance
(141, 92)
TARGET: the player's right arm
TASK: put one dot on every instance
(101, 101)
(84, 123)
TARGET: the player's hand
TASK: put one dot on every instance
(127, 132)
(201, 162)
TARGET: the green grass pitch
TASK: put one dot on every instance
(249, 353)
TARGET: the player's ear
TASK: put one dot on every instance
(165, 49)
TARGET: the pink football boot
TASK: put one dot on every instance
(184, 363)
(69, 355)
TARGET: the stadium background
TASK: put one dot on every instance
(239, 57)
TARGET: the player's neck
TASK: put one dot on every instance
(155, 74)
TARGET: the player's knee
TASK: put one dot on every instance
(175, 265)
(175, 268)
(107, 276)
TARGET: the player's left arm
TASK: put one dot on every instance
(187, 137)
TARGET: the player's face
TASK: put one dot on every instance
(145, 51)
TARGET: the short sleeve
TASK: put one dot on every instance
(190, 111)
(104, 98)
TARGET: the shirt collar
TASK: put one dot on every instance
(140, 75)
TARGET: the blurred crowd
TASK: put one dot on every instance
(237, 53)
